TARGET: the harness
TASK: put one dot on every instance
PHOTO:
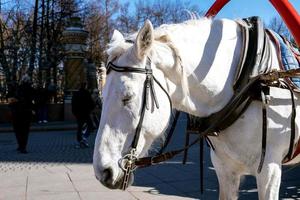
(289, 58)
(252, 82)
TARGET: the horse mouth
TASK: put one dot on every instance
(118, 183)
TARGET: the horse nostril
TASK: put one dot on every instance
(107, 176)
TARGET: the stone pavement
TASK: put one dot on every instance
(50, 126)
(54, 169)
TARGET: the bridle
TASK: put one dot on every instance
(129, 162)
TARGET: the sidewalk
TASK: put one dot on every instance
(54, 169)
(50, 126)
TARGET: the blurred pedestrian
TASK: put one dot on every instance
(82, 106)
(52, 91)
(21, 106)
(2, 92)
(96, 113)
(41, 101)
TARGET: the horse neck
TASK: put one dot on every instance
(209, 51)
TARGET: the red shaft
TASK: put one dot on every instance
(216, 7)
(289, 16)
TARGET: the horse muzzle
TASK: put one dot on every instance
(107, 179)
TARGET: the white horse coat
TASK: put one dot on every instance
(195, 62)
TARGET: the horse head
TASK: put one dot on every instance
(123, 103)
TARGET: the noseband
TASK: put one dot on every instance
(128, 162)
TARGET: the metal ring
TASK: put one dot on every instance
(127, 158)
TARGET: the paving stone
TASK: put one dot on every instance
(10, 180)
(46, 177)
(13, 193)
(153, 195)
(55, 169)
(82, 176)
(193, 186)
(90, 186)
(111, 195)
(82, 167)
(166, 173)
(54, 196)
(50, 187)
(143, 178)
(208, 195)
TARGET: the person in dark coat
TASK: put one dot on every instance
(82, 106)
(21, 106)
(41, 101)
(52, 91)
(96, 113)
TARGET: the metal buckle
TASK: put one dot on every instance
(128, 160)
(127, 165)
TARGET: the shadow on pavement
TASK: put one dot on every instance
(180, 180)
(49, 147)
(171, 178)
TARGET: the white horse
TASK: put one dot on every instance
(195, 62)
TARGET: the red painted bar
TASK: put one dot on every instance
(286, 10)
(289, 16)
(216, 7)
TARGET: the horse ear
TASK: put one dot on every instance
(116, 36)
(144, 40)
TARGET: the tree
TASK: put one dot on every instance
(3, 59)
(100, 22)
(33, 38)
(276, 24)
(31, 35)
(163, 11)
(126, 20)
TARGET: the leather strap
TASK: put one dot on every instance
(147, 161)
(201, 165)
(264, 93)
(290, 153)
(171, 133)
(151, 160)
(110, 66)
(293, 125)
(142, 115)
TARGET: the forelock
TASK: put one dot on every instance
(116, 48)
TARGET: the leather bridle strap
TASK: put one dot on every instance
(111, 66)
(290, 153)
(148, 85)
(127, 162)
(151, 160)
(264, 93)
(170, 133)
(148, 91)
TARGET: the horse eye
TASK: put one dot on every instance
(126, 99)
